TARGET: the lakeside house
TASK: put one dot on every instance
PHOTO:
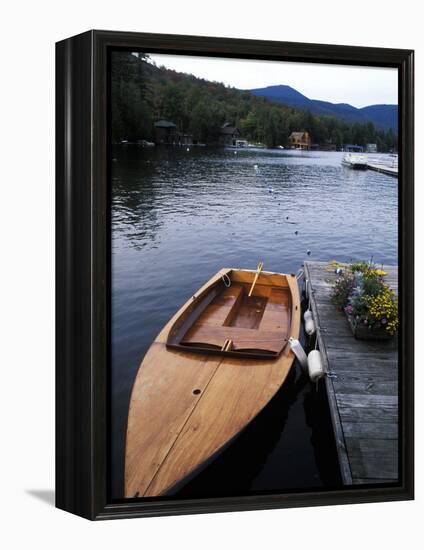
(300, 140)
(166, 133)
(229, 135)
(372, 148)
(185, 139)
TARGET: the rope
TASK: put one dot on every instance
(317, 327)
(226, 280)
(309, 296)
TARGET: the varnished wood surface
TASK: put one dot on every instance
(238, 390)
(363, 388)
(185, 407)
(226, 319)
(260, 321)
(243, 338)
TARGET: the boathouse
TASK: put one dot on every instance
(300, 140)
(350, 148)
(166, 133)
(185, 139)
(229, 135)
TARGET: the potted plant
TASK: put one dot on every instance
(370, 305)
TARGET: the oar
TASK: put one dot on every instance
(228, 344)
(258, 270)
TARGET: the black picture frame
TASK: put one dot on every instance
(83, 275)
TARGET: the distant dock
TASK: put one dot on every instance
(384, 168)
(362, 385)
(388, 166)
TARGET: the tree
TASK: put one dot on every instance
(143, 93)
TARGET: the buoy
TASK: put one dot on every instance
(309, 322)
(255, 166)
(270, 189)
(299, 352)
(315, 366)
(296, 232)
(308, 252)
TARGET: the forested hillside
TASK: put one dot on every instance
(143, 93)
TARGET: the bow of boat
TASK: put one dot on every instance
(186, 403)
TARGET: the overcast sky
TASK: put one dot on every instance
(359, 86)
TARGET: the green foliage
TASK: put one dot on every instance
(143, 93)
(362, 267)
(342, 289)
(372, 285)
(132, 102)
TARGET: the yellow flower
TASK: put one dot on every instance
(383, 308)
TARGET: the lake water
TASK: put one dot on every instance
(178, 217)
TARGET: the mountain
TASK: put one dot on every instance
(383, 116)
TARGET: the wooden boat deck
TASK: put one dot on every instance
(259, 321)
(362, 389)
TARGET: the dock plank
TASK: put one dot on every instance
(363, 387)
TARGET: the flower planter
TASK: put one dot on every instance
(362, 332)
(369, 304)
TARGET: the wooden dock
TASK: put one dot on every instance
(384, 169)
(362, 385)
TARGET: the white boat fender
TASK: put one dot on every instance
(299, 352)
(309, 322)
(315, 365)
(307, 288)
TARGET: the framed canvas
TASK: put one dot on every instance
(234, 274)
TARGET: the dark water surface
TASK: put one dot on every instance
(178, 217)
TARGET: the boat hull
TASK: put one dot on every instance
(355, 162)
(185, 407)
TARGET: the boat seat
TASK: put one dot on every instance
(242, 338)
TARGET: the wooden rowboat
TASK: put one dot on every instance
(209, 372)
